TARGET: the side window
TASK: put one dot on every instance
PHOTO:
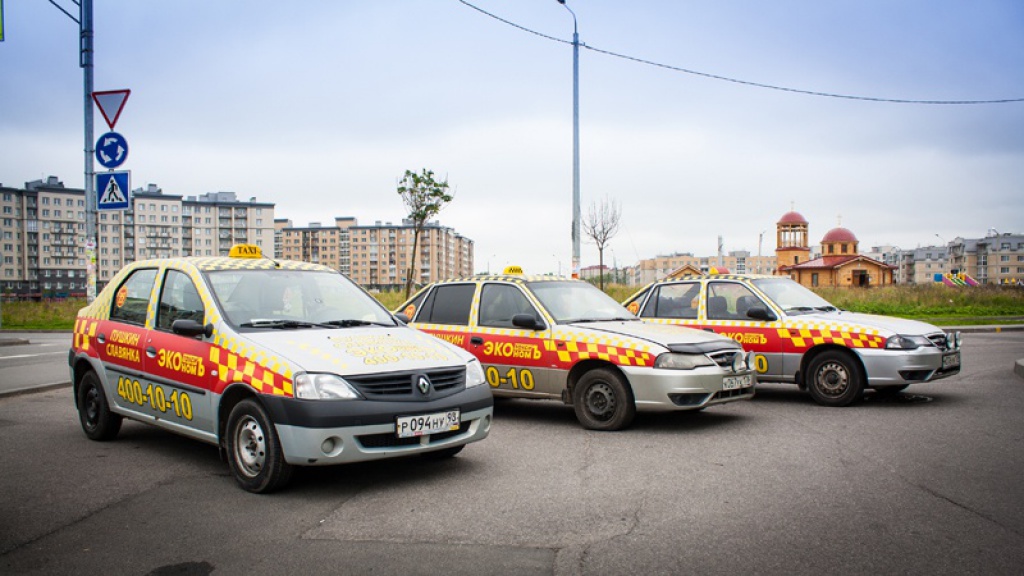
(131, 299)
(413, 306)
(448, 304)
(730, 301)
(179, 300)
(500, 302)
(674, 301)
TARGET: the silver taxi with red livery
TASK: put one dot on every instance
(278, 363)
(798, 337)
(545, 337)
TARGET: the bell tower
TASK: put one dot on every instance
(791, 247)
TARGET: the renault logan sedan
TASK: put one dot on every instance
(551, 338)
(798, 337)
(278, 363)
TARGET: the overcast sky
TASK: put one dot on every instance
(320, 106)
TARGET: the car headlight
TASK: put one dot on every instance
(677, 361)
(474, 373)
(953, 340)
(323, 387)
(901, 342)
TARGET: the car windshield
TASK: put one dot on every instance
(569, 302)
(294, 299)
(792, 297)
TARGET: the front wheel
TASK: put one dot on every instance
(834, 378)
(602, 401)
(254, 450)
(98, 422)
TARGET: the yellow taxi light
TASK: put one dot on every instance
(513, 270)
(245, 251)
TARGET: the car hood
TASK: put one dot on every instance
(358, 350)
(884, 324)
(662, 334)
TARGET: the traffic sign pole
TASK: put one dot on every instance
(85, 61)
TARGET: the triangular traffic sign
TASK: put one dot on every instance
(113, 193)
(111, 103)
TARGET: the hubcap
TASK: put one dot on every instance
(92, 407)
(250, 447)
(600, 401)
(832, 379)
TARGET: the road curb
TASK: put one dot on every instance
(1018, 368)
(13, 341)
(33, 389)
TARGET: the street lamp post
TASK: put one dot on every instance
(575, 143)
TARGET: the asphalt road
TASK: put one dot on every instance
(931, 483)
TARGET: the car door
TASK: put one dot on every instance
(444, 312)
(179, 374)
(121, 340)
(515, 359)
(726, 306)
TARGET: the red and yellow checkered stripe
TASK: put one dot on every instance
(807, 337)
(232, 367)
(573, 352)
(85, 331)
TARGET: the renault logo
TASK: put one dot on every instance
(423, 384)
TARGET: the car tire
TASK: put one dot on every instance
(443, 454)
(254, 450)
(602, 401)
(834, 378)
(98, 422)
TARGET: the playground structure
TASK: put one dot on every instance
(955, 279)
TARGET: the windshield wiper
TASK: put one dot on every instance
(268, 323)
(827, 308)
(350, 322)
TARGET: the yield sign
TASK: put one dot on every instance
(111, 103)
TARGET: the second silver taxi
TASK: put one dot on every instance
(547, 337)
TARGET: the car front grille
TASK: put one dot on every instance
(402, 385)
(390, 440)
(938, 339)
(725, 357)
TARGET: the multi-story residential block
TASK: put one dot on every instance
(738, 262)
(994, 259)
(42, 252)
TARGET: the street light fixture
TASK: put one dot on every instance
(575, 143)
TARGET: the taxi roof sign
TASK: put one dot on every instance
(512, 270)
(245, 251)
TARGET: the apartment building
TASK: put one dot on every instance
(42, 234)
(995, 259)
(378, 256)
(737, 262)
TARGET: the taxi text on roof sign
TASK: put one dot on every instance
(513, 270)
(245, 251)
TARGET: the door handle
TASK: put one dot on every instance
(476, 340)
(151, 352)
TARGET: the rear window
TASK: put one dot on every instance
(448, 304)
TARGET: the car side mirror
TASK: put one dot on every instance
(761, 313)
(191, 328)
(401, 317)
(528, 321)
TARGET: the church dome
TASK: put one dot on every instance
(839, 234)
(792, 218)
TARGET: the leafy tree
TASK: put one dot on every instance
(424, 196)
(601, 224)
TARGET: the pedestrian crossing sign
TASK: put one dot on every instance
(112, 190)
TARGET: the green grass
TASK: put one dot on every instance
(937, 304)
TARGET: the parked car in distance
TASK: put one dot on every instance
(798, 337)
(545, 337)
(278, 363)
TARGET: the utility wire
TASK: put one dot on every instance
(735, 80)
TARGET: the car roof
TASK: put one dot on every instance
(210, 263)
(519, 278)
(717, 277)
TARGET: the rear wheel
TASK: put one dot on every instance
(602, 401)
(834, 378)
(98, 422)
(254, 450)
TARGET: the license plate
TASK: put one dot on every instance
(734, 382)
(412, 426)
(951, 360)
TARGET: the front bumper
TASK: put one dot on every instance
(666, 390)
(899, 367)
(318, 433)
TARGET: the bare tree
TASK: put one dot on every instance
(601, 224)
(424, 197)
